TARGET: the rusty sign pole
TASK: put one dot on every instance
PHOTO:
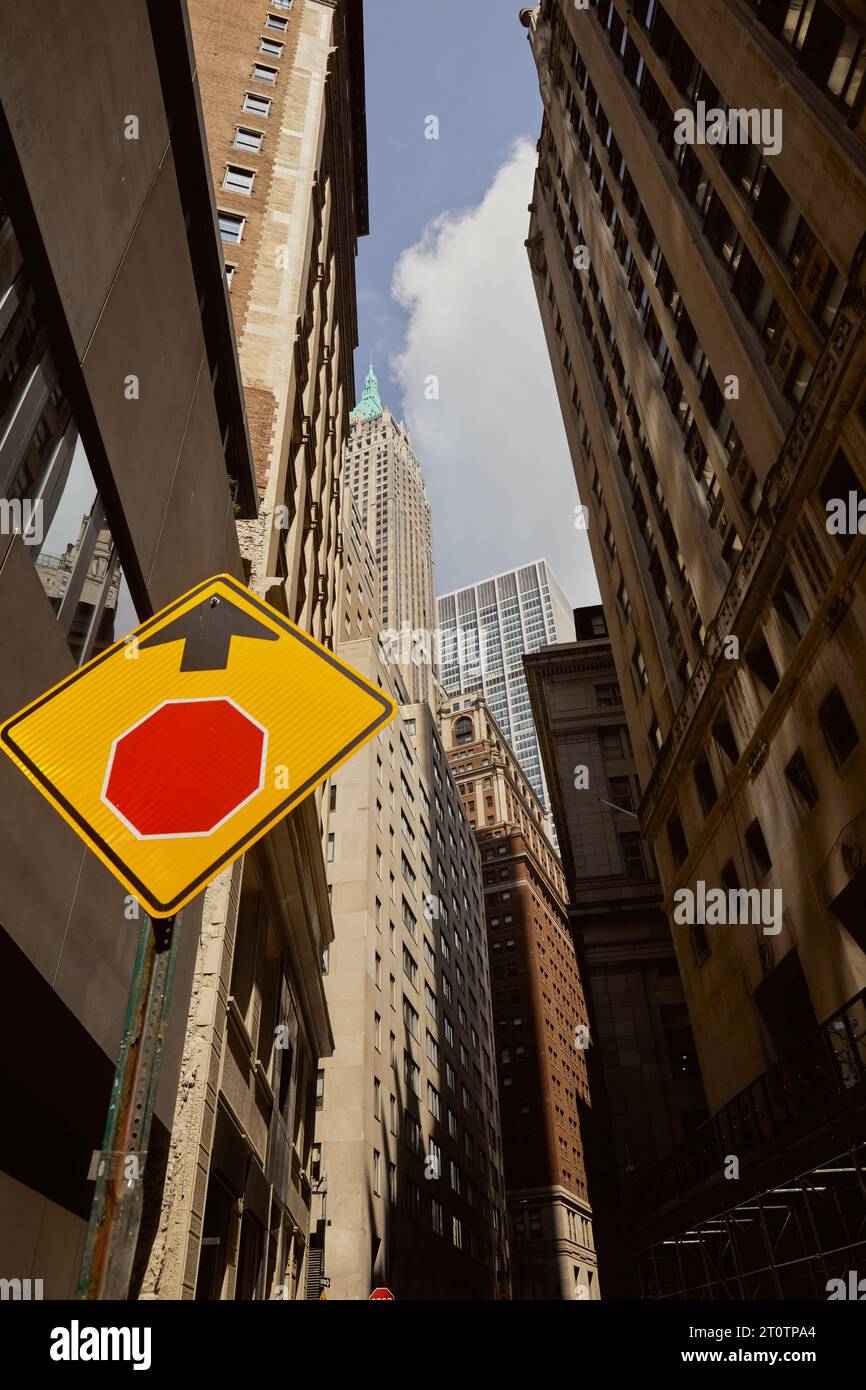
(115, 1216)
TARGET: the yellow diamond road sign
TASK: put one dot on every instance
(176, 749)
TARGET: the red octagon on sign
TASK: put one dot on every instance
(380, 1294)
(185, 768)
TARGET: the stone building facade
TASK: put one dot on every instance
(282, 91)
(645, 1084)
(122, 429)
(703, 303)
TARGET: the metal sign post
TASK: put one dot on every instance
(115, 1216)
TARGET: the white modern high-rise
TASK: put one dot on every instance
(484, 631)
(387, 484)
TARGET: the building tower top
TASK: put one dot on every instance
(370, 405)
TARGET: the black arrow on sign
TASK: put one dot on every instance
(207, 631)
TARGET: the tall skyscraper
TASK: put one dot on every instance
(408, 1158)
(539, 1012)
(642, 1064)
(387, 484)
(282, 91)
(696, 247)
(484, 632)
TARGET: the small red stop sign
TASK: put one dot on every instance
(185, 768)
(380, 1294)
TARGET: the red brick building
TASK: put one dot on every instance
(538, 1009)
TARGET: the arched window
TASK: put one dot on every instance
(463, 730)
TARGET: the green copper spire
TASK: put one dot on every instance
(370, 405)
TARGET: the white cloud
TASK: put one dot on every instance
(493, 446)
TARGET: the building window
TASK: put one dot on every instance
(632, 856)
(377, 1164)
(789, 605)
(320, 1089)
(677, 838)
(706, 786)
(838, 727)
(262, 73)
(724, 736)
(377, 1032)
(230, 274)
(377, 1098)
(655, 734)
(246, 139)
(258, 105)
(410, 968)
(231, 227)
(638, 667)
(271, 47)
(456, 1233)
(275, 21)
(623, 603)
(800, 778)
(700, 944)
(410, 921)
(758, 847)
(434, 1104)
(414, 1139)
(759, 659)
(412, 1074)
(463, 731)
(437, 1217)
(414, 1202)
(607, 696)
(410, 1019)
(838, 484)
(620, 793)
(331, 848)
(378, 971)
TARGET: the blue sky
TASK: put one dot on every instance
(444, 286)
(471, 67)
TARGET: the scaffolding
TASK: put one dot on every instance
(786, 1242)
(799, 1219)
